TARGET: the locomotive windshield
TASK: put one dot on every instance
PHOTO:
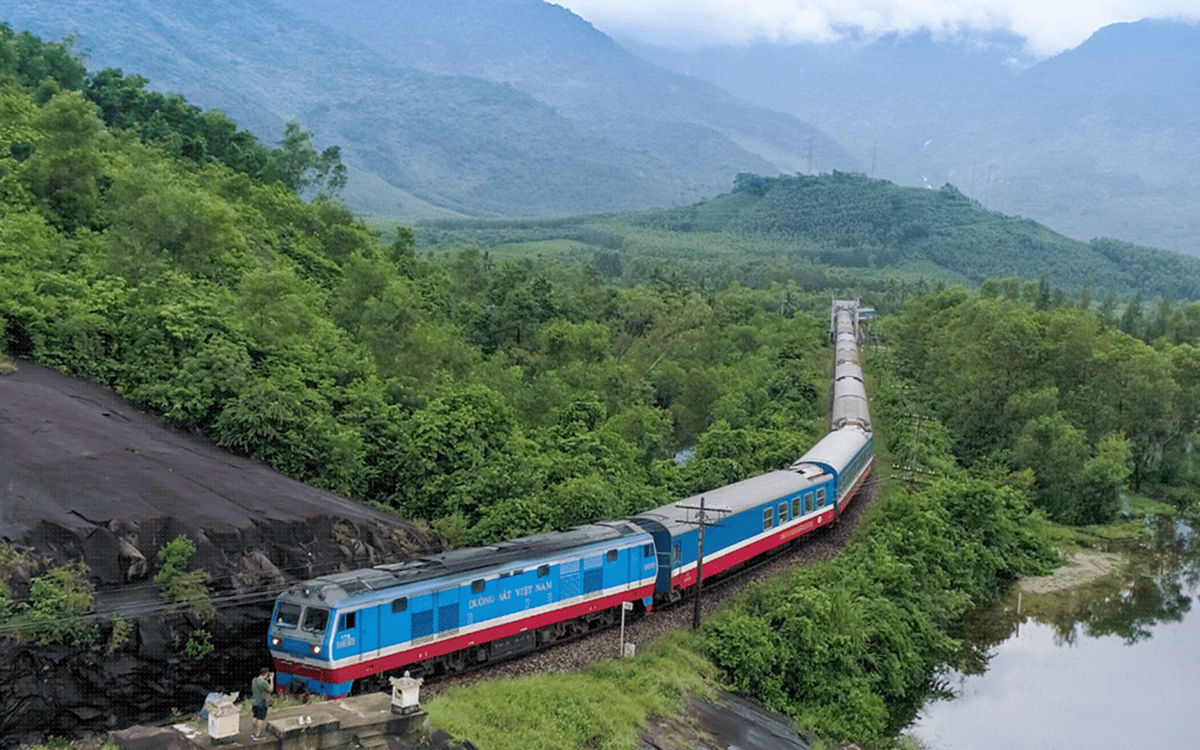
(315, 619)
(288, 614)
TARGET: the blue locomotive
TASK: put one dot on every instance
(458, 608)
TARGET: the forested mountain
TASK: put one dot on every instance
(463, 143)
(547, 51)
(1098, 141)
(846, 230)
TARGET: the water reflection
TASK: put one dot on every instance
(1070, 668)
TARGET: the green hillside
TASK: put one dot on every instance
(845, 230)
(462, 142)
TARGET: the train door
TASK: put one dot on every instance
(347, 640)
(368, 628)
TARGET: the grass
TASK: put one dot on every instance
(605, 706)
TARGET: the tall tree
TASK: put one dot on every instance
(302, 170)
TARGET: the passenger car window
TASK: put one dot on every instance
(768, 517)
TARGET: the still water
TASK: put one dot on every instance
(1112, 665)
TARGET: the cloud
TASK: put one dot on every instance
(1048, 26)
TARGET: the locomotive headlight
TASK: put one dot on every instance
(275, 641)
(315, 649)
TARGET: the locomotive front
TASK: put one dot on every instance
(299, 636)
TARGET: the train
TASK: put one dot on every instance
(447, 612)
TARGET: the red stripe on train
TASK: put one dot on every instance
(454, 643)
(719, 562)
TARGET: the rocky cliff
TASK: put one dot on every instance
(86, 475)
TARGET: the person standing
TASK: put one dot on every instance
(260, 692)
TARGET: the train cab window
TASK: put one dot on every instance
(477, 586)
(315, 619)
(768, 518)
(399, 605)
(348, 621)
(288, 614)
(782, 512)
(647, 550)
(543, 571)
(611, 555)
(821, 498)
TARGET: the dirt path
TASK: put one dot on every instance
(1082, 567)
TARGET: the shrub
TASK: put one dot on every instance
(58, 609)
(183, 587)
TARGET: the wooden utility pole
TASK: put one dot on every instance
(701, 521)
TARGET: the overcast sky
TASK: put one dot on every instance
(1049, 26)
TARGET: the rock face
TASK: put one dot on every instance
(85, 475)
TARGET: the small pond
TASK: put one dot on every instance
(1110, 663)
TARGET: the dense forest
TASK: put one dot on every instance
(838, 230)
(496, 379)
(182, 267)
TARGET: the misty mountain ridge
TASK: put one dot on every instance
(460, 142)
(561, 59)
(519, 107)
(1100, 140)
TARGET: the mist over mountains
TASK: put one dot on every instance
(457, 141)
(520, 107)
(1100, 140)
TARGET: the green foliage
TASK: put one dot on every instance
(199, 644)
(119, 636)
(605, 706)
(301, 169)
(848, 230)
(38, 66)
(1086, 407)
(58, 610)
(179, 585)
(179, 129)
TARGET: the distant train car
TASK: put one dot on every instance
(448, 611)
(849, 454)
(751, 517)
(849, 404)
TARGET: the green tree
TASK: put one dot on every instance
(1055, 450)
(300, 168)
(449, 448)
(71, 162)
(1104, 477)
